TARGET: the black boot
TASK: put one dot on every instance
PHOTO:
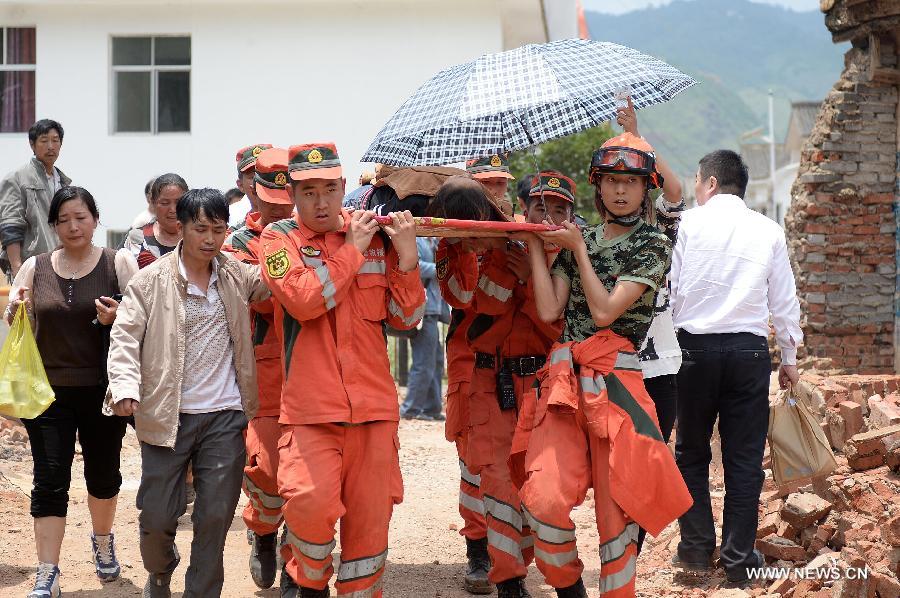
(576, 590)
(288, 587)
(512, 588)
(311, 593)
(477, 568)
(262, 559)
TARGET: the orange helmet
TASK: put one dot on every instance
(626, 153)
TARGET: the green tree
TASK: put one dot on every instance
(569, 155)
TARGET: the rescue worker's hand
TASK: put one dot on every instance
(518, 263)
(788, 375)
(125, 407)
(402, 231)
(106, 310)
(568, 237)
(363, 227)
(627, 118)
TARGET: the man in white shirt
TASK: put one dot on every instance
(730, 274)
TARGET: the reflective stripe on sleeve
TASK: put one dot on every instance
(328, 289)
(395, 310)
(461, 295)
(493, 289)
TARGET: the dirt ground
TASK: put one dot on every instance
(427, 554)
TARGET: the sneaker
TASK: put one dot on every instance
(46, 582)
(476, 580)
(262, 560)
(105, 563)
(576, 590)
(189, 492)
(512, 588)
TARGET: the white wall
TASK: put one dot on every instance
(279, 73)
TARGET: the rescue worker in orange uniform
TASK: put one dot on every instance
(458, 278)
(594, 424)
(263, 513)
(510, 343)
(336, 281)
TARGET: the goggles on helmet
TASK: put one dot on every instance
(607, 159)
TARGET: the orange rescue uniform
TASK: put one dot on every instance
(339, 411)
(506, 329)
(263, 513)
(457, 288)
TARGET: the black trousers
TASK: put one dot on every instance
(664, 392)
(724, 376)
(76, 411)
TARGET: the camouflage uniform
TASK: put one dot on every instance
(641, 255)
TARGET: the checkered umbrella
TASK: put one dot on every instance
(516, 99)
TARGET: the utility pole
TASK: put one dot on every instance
(774, 212)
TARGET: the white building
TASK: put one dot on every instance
(144, 87)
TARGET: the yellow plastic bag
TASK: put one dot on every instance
(25, 391)
(797, 443)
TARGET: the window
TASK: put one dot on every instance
(151, 84)
(17, 60)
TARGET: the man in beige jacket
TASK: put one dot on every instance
(181, 361)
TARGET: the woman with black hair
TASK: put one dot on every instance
(157, 238)
(65, 291)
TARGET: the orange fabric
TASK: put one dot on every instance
(263, 513)
(262, 324)
(330, 472)
(471, 502)
(336, 364)
(644, 480)
(457, 274)
(506, 325)
(559, 475)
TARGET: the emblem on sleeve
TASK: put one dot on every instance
(442, 268)
(278, 263)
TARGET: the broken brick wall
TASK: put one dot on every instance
(841, 226)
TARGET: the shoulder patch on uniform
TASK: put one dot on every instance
(441, 267)
(240, 239)
(284, 226)
(278, 263)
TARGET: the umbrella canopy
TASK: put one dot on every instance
(513, 100)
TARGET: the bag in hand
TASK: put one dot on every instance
(797, 443)
(25, 391)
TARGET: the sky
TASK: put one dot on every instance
(622, 6)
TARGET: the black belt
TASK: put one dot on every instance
(524, 365)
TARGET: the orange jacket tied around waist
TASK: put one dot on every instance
(602, 377)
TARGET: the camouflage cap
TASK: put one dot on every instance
(490, 167)
(314, 161)
(271, 176)
(555, 184)
(246, 156)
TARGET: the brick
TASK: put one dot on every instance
(883, 414)
(890, 531)
(869, 449)
(852, 414)
(768, 526)
(802, 510)
(782, 585)
(886, 586)
(780, 548)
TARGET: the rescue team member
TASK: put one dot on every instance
(458, 279)
(492, 172)
(263, 513)
(510, 343)
(337, 281)
(594, 423)
(246, 162)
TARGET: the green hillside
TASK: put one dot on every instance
(738, 50)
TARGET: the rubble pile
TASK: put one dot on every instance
(840, 536)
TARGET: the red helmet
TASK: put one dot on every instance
(626, 153)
